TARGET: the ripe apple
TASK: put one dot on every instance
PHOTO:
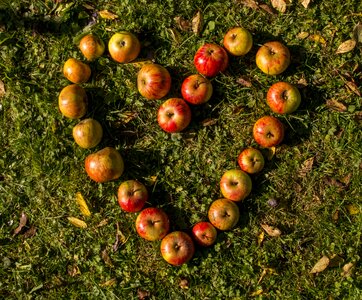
(238, 41)
(153, 81)
(268, 131)
(251, 160)
(177, 248)
(76, 71)
(210, 59)
(88, 133)
(91, 46)
(124, 47)
(273, 58)
(72, 101)
(132, 195)
(204, 233)
(235, 185)
(152, 224)
(174, 115)
(196, 89)
(223, 214)
(104, 165)
(283, 98)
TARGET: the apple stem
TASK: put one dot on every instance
(285, 95)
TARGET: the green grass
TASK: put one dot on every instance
(41, 168)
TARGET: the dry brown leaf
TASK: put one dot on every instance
(109, 282)
(106, 14)
(261, 236)
(208, 122)
(77, 222)
(346, 179)
(271, 230)
(279, 5)
(334, 182)
(102, 223)
(197, 22)
(321, 265)
(106, 258)
(175, 35)
(120, 238)
(358, 116)
(318, 39)
(305, 3)
(346, 46)
(270, 152)
(82, 204)
(268, 9)
(347, 269)
(357, 33)
(306, 167)
(302, 35)
(2, 88)
(244, 81)
(183, 24)
(128, 116)
(22, 222)
(335, 215)
(336, 105)
(249, 3)
(142, 294)
(184, 284)
(353, 209)
(335, 261)
(73, 270)
(30, 232)
(353, 87)
(256, 293)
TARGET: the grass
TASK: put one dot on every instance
(41, 168)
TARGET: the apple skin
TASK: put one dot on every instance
(132, 195)
(152, 224)
(174, 115)
(88, 133)
(124, 47)
(268, 131)
(211, 59)
(73, 101)
(153, 81)
(223, 214)
(105, 165)
(251, 160)
(177, 248)
(235, 185)
(238, 41)
(196, 89)
(283, 98)
(204, 234)
(273, 58)
(76, 71)
(91, 47)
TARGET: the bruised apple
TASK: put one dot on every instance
(88, 133)
(91, 46)
(76, 71)
(72, 101)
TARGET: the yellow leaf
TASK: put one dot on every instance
(353, 87)
(353, 209)
(318, 39)
(256, 293)
(321, 265)
(306, 167)
(346, 46)
(77, 222)
(82, 205)
(261, 238)
(270, 230)
(302, 35)
(106, 14)
(270, 152)
(196, 23)
(280, 5)
(305, 3)
(109, 282)
(347, 270)
(140, 62)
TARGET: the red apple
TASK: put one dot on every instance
(72, 101)
(211, 59)
(87, 133)
(283, 98)
(223, 214)
(196, 89)
(235, 185)
(104, 165)
(204, 234)
(251, 160)
(153, 81)
(152, 224)
(76, 71)
(124, 47)
(132, 195)
(238, 41)
(268, 131)
(177, 248)
(273, 58)
(91, 46)
(174, 115)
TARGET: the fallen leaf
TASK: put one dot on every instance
(321, 265)
(335, 215)
(244, 81)
(2, 88)
(120, 238)
(142, 294)
(249, 3)
(30, 232)
(335, 261)
(182, 23)
(82, 204)
(305, 3)
(333, 182)
(302, 82)
(265, 272)
(77, 222)
(102, 223)
(270, 152)
(280, 5)
(318, 39)
(302, 35)
(175, 35)
(346, 179)
(353, 87)
(271, 230)
(128, 116)
(272, 202)
(357, 33)
(109, 282)
(106, 258)
(353, 209)
(184, 284)
(208, 122)
(87, 6)
(73, 270)
(306, 167)
(347, 269)
(268, 9)
(197, 22)
(336, 105)
(140, 62)
(261, 236)
(256, 293)
(22, 222)
(346, 46)
(106, 14)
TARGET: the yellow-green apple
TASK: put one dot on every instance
(251, 160)
(273, 58)
(76, 71)
(177, 248)
(174, 115)
(196, 89)
(153, 81)
(238, 41)
(91, 46)
(268, 131)
(283, 98)
(204, 233)
(72, 101)
(235, 185)
(88, 133)
(132, 195)
(211, 59)
(152, 224)
(124, 46)
(223, 214)
(104, 165)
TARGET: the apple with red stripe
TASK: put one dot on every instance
(235, 185)
(273, 58)
(268, 131)
(211, 59)
(283, 98)
(223, 214)
(152, 224)
(251, 160)
(204, 234)
(196, 89)
(174, 115)
(132, 195)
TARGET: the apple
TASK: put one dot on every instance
(76, 71)
(268, 131)
(132, 195)
(174, 115)
(88, 133)
(104, 165)
(196, 89)
(273, 58)
(72, 101)
(235, 185)
(238, 41)
(124, 47)
(177, 248)
(283, 98)
(211, 59)
(153, 81)
(223, 214)
(152, 224)
(91, 46)
(204, 233)
(251, 160)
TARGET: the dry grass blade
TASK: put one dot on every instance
(280, 5)
(321, 265)
(268, 9)
(2, 88)
(140, 62)
(183, 24)
(353, 87)
(357, 33)
(261, 238)
(305, 3)
(22, 222)
(346, 46)
(106, 14)
(336, 105)
(175, 35)
(271, 230)
(208, 122)
(256, 293)
(306, 167)
(110, 282)
(245, 81)
(82, 205)
(249, 3)
(77, 222)
(197, 22)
